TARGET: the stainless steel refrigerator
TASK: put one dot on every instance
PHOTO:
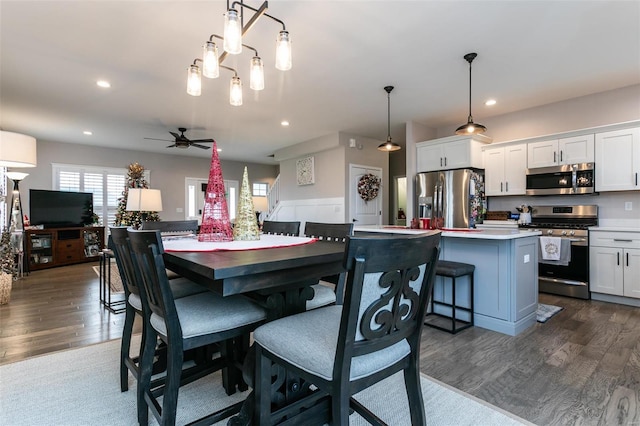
(450, 198)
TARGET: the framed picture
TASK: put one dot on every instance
(304, 171)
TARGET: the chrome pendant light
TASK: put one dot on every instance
(389, 145)
(470, 128)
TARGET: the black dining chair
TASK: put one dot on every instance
(281, 228)
(171, 226)
(335, 233)
(135, 302)
(189, 322)
(341, 350)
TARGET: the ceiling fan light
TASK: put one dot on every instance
(194, 80)
(256, 80)
(283, 51)
(210, 65)
(232, 32)
(235, 91)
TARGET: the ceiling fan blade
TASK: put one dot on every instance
(171, 146)
(154, 139)
(202, 140)
(200, 146)
(175, 135)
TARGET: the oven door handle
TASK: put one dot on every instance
(578, 241)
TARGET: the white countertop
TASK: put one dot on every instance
(484, 234)
(614, 228)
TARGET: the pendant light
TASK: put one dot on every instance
(470, 128)
(389, 145)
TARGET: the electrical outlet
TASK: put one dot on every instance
(179, 210)
(628, 206)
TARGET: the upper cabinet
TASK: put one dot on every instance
(450, 153)
(505, 169)
(573, 150)
(617, 156)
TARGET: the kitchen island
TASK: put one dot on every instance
(506, 276)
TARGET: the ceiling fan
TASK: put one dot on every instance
(181, 141)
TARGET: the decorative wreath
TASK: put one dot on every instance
(368, 187)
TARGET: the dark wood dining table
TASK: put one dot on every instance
(280, 278)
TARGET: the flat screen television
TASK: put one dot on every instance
(60, 209)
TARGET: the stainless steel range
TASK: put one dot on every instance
(569, 278)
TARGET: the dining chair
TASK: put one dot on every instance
(341, 350)
(281, 228)
(135, 302)
(189, 322)
(172, 226)
(330, 289)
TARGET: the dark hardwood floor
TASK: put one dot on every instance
(580, 367)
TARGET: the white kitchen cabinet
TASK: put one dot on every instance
(618, 160)
(505, 169)
(450, 153)
(555, 152)
(614, 258)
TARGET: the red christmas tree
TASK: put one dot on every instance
(216, 225)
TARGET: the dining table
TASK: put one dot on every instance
(279, 278)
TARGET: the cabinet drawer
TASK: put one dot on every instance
(614, 239)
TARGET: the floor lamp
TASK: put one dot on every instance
(16, 220)
(17, 150)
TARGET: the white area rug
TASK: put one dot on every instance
(81, 387)
(545, 312)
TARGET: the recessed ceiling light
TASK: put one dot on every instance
(103, 83)
(88, 132)
(284, 123)
(490, 102)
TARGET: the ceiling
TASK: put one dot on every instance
(530, 53)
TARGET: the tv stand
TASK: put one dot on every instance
(51, 247)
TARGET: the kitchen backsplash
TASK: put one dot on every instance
(611, 205)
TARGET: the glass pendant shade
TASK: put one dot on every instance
(210, 65)
(256, 81)
(235, 91)
(194, 81)
(232, 32)
(283, 51)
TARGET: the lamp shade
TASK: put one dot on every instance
(144, 200)
(17, 150)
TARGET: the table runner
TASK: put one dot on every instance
(266, 241)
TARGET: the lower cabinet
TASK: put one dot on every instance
(47, 248)
(614, 258)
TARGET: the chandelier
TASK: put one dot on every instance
(234, 29)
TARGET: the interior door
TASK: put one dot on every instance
(363, 212)
(194, 198)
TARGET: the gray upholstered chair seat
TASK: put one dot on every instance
(181, 287)
(309, 341)
(207, 313)
(323, 295)
(135, 301)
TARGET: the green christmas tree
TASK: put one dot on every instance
(7, 257)
(135, 179)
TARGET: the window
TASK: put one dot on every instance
(106, 185)
(260, 189)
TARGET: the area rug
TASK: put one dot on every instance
(81, 387)
(545, 312)
(116, 282)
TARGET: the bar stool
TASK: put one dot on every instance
(453, 270)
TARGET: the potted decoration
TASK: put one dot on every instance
(7, 266)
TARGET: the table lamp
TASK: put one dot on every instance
(144, 200)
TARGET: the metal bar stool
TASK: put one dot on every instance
(453, 270)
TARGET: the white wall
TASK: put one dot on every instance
(168, 171)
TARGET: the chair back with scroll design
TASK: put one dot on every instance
(281, 228)
(389, 282)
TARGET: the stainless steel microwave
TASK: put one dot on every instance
(561, 180)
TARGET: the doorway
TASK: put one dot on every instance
(195, 189)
